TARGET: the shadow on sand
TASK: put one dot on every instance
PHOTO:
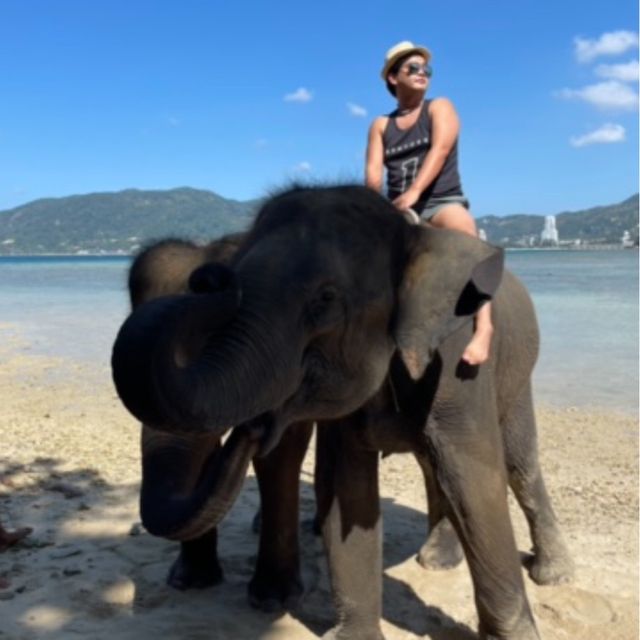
(90, 570)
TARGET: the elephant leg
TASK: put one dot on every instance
(310, 524)
(551, 562)
(276, 583)
(197, 565)
(442, 549)
(349, 512)
(468, 462)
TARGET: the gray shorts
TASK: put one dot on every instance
(434, 205)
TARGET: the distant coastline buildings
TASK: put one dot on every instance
(549, 235)
(627, 241)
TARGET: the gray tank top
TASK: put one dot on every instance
(404, 154)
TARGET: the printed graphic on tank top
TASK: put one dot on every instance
(405, 151)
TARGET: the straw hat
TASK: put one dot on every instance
(398, 51)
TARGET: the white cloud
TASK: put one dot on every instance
(172, 121)
(299, 95)
(604, 95)
(356, 110)
(608, 44)
(627, 72)
(303, 167)
(261, 143)
(606, 134)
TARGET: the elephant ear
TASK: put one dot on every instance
(448, 277)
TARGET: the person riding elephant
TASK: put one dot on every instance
(334, 309)
(417, 144)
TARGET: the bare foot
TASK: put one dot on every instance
(9, 538)
(477, 351)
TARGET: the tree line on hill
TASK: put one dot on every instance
(122, 222)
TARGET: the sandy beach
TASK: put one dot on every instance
(70, 469)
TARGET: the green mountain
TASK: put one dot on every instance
(122, 222)
(119, 222)
(599, 225)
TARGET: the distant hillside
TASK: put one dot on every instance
(599, 225)
(123, 221)
(119, 222)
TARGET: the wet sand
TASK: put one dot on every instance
(69, 468)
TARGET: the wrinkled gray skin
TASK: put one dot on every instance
(335, 309)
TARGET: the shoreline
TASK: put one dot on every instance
(130, 255)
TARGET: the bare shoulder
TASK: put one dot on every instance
(441, 105)
(379, 124)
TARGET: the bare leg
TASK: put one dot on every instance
(477, 351)
(458, 218)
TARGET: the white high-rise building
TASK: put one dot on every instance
(549, 234)
(627, 240)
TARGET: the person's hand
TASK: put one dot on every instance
(406, 200)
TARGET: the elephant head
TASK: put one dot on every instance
(304, 320)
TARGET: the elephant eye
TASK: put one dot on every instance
(322, 308)
(328, 295)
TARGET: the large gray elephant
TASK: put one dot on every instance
(182, 474)
(337, 310)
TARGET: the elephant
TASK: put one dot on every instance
(173, 497)
(335, 309)
(183, 475)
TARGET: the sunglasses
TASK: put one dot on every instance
(415, 67)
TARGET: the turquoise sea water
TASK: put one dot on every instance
(587, 304)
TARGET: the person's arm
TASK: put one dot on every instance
(445, 127)
(374, 164)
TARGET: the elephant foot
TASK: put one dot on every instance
(343, 632)
(550, 568)
(442, 550)
(183, 575)
(197, 566)
(532, 635)
(272, 591)
(528, 633)
(522, 627)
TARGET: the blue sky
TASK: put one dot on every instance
(239, 97)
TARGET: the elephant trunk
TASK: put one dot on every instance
(190, 482)
(199, 363)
